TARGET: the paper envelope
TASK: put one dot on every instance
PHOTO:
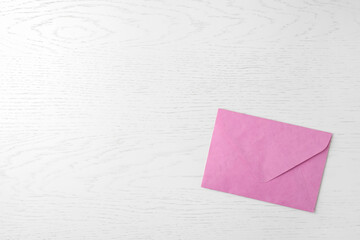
(266, 160)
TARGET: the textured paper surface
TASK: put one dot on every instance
(266, 160)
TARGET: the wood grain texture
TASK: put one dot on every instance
(107, 110)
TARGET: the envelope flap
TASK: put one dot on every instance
(271, 148)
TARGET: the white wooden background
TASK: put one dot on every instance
(107, 110)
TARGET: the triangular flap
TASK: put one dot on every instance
(271, 148)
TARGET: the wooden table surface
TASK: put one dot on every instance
(107, 109)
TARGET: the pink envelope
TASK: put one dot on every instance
(266, 160)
